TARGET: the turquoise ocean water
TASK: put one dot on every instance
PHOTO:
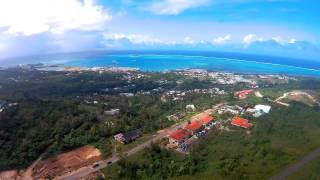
(166, 62)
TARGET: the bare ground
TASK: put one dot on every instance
(66, 162)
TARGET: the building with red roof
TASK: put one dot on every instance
(243, 94)
(207, 120)
(194, 127)
(241, 122)
(179, 136)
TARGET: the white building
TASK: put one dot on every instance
(112, 112)
(261, 109)
(190, 107)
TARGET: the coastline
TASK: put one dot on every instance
(171, 62)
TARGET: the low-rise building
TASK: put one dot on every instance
(190, 107)
(194, 127)
(207, 120)
(112, 112)
(243, 94)
(224, 108)
(241, 122)
(125, 138)
(260, 110)
(176, 117)
(178, 137)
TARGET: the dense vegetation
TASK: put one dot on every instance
(156, 163)
(51, 115)
(56, 113)
(309, 171)
(277, 140)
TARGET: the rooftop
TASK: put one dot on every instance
(131, 134)
(263, 108)
(194, 126)
(207, 119)
(247, 91)
(180, 134)
(237, 121)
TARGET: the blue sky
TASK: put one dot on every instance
(273, 27)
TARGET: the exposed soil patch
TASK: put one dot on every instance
(9, 175)
(66, 162)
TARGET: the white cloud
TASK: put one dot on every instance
(292, 41)
(174, 7)
(278, 39)
(56, 16)
(222, 40)
(133, 38)
(189, 40)
(250, 38)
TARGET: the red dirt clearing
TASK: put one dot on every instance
(66, 162)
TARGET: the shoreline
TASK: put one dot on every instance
(49, 66)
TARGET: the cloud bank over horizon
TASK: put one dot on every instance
(246, 26)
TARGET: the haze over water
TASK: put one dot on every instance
(166, 62)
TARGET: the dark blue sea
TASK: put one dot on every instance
(165, 61)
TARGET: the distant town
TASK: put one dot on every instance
(105, 115)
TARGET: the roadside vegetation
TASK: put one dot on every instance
(59, 111)
(309, 171)
(276, 141)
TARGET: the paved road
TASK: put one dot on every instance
(85, 171)
(294, 168)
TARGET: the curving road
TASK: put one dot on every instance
(294, 168)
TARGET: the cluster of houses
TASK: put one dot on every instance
(257, 111)
(195, 128)
(180, 137)
(101, 69)
(228, 109)
(217, 77)
(176, 95)
(129, 76)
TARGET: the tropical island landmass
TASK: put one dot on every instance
(123, 123)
